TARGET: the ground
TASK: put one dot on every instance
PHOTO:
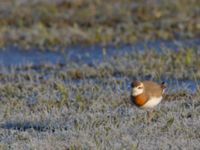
(80, 106)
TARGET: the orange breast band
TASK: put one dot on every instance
(139, 100)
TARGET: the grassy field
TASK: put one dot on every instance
(80, 106)
(47, 24)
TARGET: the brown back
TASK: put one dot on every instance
(152, 89)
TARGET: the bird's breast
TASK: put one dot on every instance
(139, 100)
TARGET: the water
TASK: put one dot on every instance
(15, 56)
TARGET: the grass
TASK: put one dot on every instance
(62, 23)
(181, 64)
(80, 106)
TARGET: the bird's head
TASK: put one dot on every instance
(137, 88)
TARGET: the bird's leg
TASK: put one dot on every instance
(150, 115)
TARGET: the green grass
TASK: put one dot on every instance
(47, 24)
(88, 107)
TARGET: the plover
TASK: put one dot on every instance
(147, 94)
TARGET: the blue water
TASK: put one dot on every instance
(15, 56)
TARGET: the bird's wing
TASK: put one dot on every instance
(152, 89)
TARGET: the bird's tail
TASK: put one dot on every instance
(163, 85)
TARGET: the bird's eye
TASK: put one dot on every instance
(140, 87)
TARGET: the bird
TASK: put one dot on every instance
(147, 94)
